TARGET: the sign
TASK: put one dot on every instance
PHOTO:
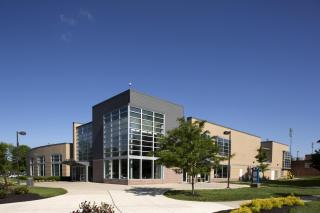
(255, 175)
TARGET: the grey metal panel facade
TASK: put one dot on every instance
(172, 111)
(97, 120)
(134, 98)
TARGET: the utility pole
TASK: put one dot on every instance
(312, 145)
(297, 155)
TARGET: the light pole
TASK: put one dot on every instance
(229, 155)
(17, 157)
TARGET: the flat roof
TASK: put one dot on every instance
(223, 126)
(270, 141)
(133, 90)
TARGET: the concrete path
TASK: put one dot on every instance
(126, 199)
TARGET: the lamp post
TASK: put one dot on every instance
(17, 157)
(229, 155)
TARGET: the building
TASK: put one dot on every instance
(47, 160)
(279, 159)
(116, 146)
(244, 147)
(302, 168)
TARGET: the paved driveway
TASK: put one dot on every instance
(126, 199)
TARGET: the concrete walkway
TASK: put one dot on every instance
(126, 199)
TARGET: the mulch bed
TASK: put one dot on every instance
(12, 198)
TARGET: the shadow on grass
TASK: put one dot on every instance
(143, 191)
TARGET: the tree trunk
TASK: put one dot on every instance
(192, 184)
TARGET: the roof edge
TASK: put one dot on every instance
(190, 117)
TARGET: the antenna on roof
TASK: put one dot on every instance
(290, 136)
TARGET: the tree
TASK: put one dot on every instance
(188, 148)
(315, 160)
(23, 156)
(262, 159)
(5, 160)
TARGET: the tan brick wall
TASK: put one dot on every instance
(170, 176)
(276, 165)
(243, 145)
(48, 151)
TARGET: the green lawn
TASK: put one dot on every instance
(46, 192)
(310, 207)
(241, 193)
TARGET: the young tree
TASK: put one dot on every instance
(315, 160)
(23, 156)
(188, 148)
(5, 160)
(262, 159)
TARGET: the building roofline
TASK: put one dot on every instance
(133, 90)
(128, 90)
(55, 144)
(271, 141)
(82, 124)
(190, 117)
(157, 98)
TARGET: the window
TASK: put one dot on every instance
(124, 169)
(107, 169)
(56, 165)
(84, 142)
(31, 167)
(134, 168)
(221, 171)
(115, 169)
(41, 165)
(223, 145)
(146, 169)
(286, 160)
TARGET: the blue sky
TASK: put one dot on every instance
(250, 65)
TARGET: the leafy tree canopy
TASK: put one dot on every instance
(188, 148)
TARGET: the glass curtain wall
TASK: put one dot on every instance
(84, 142)
(131, 134)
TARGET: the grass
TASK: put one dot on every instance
(275, 188)
(241, 193)
(46, 192)
(310, 207)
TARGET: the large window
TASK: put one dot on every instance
(41, 165)
(223, 145)
(130, 136)
(146, 127)
(56, 165)
(286, 160)
(84, 142)
(221, 171)
(115, 131)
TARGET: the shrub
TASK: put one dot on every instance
(51, 178)
(22, 177)
(21, 190)
(3, 193)
(86, 207)
(243, 209)
(267, 204)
